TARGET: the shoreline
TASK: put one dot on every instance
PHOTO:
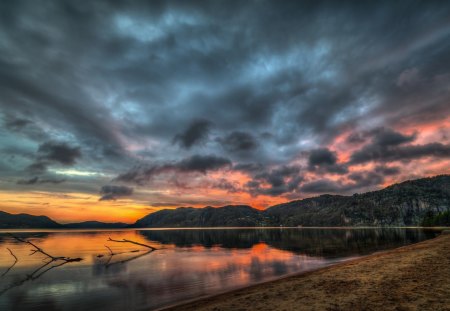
(8, 230)
(299, 291)
(244, 287)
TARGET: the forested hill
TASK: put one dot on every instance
(226, 216)
(26, 221)
(418, 202)
(22, 221)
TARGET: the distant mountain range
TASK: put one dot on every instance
(26, 221)
(96, 225)
(417, 202)
(23, 221)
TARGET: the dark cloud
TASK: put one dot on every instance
(356, 138)
(388, 170)
(37, 167)
(363, 180)
(324, 160)
(22, 128)
(382, 142)
(38, 180)
(30, 181)
(16, 124)
(388, 137)
(357, 181)
(239, 142)
(224, 184)
(322, 156)
(275, 182)
(113, 192)
(380, 153)
(380, 136)
(321, 186)
(195, 133)
(248, 167)
(58, 152)
(199, 163)
(53, 152)
(195, 163)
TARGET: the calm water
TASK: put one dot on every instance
(188, 263)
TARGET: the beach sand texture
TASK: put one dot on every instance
(414, 277)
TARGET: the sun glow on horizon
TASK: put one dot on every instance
(72, 207)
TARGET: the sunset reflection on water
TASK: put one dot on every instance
(187, 263)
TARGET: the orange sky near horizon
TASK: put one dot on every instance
(77, 207)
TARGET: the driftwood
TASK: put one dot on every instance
(132, 242)
(58, 261)
(10, 267)
(37, 249)
(111, 253)
(41, 270)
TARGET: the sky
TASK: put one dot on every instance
(112, 110)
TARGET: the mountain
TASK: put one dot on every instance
(418, 202)
(226, 216)
(96, 225)
(25, 221)
(409, 203)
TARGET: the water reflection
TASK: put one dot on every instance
(187, 264)
(313, 242)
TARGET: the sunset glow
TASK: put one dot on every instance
(110, 113)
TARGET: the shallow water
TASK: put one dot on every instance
(187, 264)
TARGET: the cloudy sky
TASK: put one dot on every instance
(111, 111)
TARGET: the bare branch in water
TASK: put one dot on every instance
(33, 275)
(41, 270)
(133, 242)
(37, 249)
(108, 262)
(10, 267)
(110, 251)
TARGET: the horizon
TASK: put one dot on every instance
(111, 112)
(209, 206)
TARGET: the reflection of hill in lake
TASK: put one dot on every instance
(313, 242)
(7, 237)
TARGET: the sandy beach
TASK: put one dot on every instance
(414, 277)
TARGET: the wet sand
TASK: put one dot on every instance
(414, 277)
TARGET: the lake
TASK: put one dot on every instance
(187, 264)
